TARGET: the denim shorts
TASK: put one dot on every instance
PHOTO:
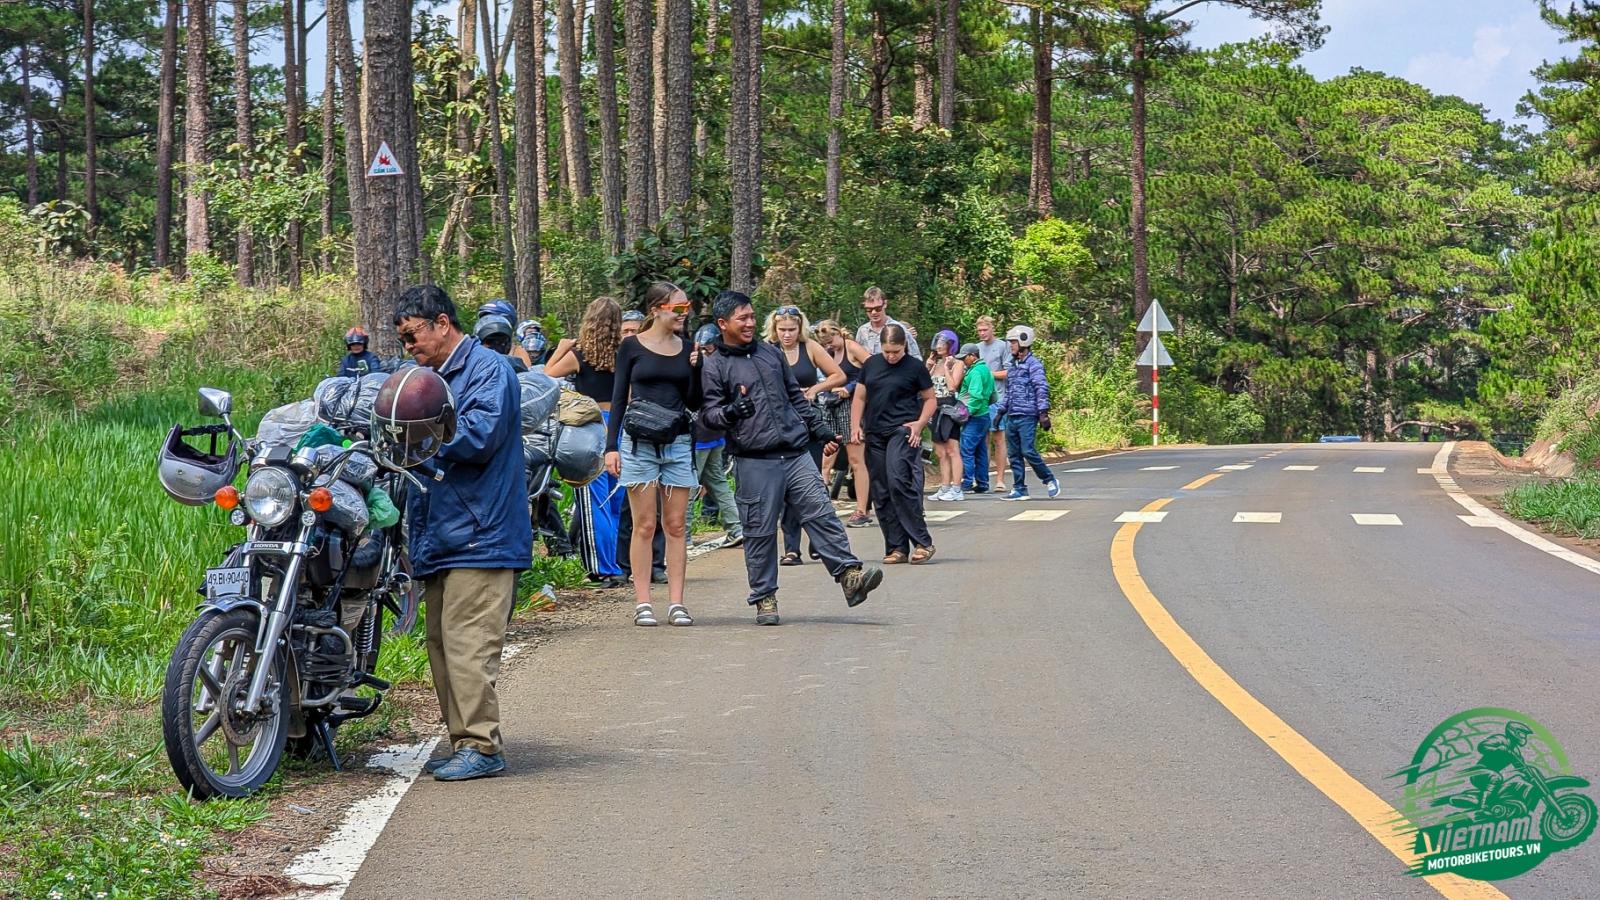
(672, 465)
(997, 422)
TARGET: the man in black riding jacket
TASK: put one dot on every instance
(751, 394)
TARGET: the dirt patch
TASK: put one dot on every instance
(1486, 475)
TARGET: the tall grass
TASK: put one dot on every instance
(1568, 505)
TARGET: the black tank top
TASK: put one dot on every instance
(592, 382)
(852, 372)
(805, 372)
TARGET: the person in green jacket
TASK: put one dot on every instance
(978, 391)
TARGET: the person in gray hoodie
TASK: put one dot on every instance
(750, 393)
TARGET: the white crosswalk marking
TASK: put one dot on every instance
(1371, 470)
(1138, 516)
(942, 515)
(1039, 515)
(1299, 468)
(1238, 467)
(1376, 519)
(1158, 468)
(1086, 470)
(1261, 518)
(1479, 521)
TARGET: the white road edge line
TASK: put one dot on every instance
(1440, 473)
(333, 864)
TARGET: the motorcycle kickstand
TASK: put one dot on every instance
(325, 736)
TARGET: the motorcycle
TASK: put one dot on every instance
(292, 619)
(1568, 817)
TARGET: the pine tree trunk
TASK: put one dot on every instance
(922, 79)
(658, 125)
(574, 130)
(835, 110)
(753, 112)
(637, 33)
(91, 150)
(679, 100)
(541, 103)
(1041, 184)
(244, 246)
(497, 156)
(293, 130)
(166, 121)
(467, 38)
(1136, 218)
(330, 64)
(605, 61)
(196, 129)
(947, 64)
(355, 168)
(702, 137)
(879, 103)
(744, 138)
(28, 133)
(61, 146)
(525, 116)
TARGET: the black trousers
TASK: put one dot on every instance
(895, 468)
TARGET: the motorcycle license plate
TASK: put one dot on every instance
(232, 581)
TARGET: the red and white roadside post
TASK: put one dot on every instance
(1155, 356)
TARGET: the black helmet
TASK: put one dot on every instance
(495, 332)
(414, 415)
(191, 476)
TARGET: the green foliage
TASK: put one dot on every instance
(1568, 505)
(693, 256)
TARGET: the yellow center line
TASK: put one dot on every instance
(1202, 480)
(1367, 808)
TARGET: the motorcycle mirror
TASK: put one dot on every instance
(215, 403)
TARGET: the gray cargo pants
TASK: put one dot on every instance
(765, 488)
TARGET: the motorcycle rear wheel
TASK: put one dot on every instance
(216, 752)
(1571, 823)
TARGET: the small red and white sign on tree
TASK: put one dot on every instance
(384, 163)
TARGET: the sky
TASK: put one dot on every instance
(1480, 50)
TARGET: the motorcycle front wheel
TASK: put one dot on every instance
(216, 750)
(1570, 821)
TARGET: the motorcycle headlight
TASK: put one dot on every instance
(269, 496)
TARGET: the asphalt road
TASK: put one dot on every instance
(1003, 723)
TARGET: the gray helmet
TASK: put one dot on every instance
(495, 332)
(706, 335)
(190, 476)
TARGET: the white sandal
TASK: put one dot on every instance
(677, 615)
(644, 614)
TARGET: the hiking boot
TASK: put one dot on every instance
(767, 610)
(858, 582)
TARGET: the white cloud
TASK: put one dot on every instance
(1496, 74)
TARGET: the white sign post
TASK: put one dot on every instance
(1155, 356)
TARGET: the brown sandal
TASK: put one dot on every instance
(895, 558)
(921, 555)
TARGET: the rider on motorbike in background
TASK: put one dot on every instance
(359, 360)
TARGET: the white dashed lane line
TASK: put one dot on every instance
(1299, 468)
(942, 515)
(1086, 470)
(1259, 518)
(1370, 470)
(1039, 515)
(1158, 468)
(1376, 519)
(1238, 467)
(1141, 516)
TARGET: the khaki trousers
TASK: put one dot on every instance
(467, 613)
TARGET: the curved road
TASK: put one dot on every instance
(1005, 723)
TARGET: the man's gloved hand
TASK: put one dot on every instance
(740, 409)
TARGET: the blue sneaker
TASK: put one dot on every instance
(1016, 494)
(468, 764)
(1053, 486)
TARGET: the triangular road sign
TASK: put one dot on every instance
(1155, 318)
(384, 163)
(1155, 354)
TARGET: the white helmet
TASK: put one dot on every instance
(1022, 334)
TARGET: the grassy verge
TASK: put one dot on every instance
(1567, 506)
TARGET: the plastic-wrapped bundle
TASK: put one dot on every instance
(540, 395)
(580, 453)
(347, 402)
(349, 510)
(359, 470)
(287, 424)
(539, 447)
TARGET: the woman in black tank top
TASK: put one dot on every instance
(590, 361)
(849, 356)
(787, 327)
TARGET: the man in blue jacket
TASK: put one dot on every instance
(1026, 407)
(470, 533)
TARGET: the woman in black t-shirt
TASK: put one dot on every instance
(893, 402)
(658, 375)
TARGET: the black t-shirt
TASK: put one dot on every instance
(667, 380)
(892, 392)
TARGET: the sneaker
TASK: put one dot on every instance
(1053, 487)
(980, 489)
(858, 582)
(468, 764)
(644, 614)
(858, 520)
(943, 493)
(732, 541)
(956, 495)
(437, 763)
(658, 576)
(767, 610)
(1016, 495)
